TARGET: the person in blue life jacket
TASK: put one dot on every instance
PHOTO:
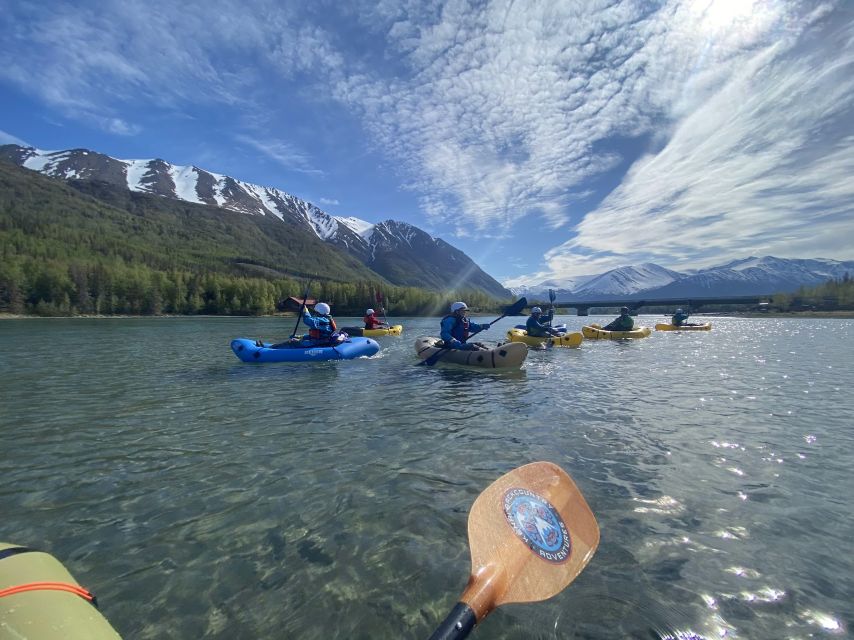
(537, 326)
(456, 328)
(623, 322)
(321, 327)
(679, 318)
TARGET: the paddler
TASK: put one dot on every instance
(456, 328)
(623, 322)
(679, 318)
(321, 327)
(538, 329)
(371, 321)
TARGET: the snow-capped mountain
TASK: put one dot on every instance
(386, 247)
(748, 276)
(628, 280)
(752, 276)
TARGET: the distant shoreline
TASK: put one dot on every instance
(726, 314)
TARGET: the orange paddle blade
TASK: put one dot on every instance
(531, 533)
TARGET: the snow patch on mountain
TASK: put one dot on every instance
(136, 171)
(185, 179)
(360, 227)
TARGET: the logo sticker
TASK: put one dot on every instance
(538, 525)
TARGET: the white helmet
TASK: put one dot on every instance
(457, 306)
(322, 308)
(536, 310)
(369, 312)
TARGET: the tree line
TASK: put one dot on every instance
(51, 287)
(836, 294)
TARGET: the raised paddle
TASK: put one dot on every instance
(513, 309)
(530, 533)
(379, 297)
(302, 306)
(552, 298)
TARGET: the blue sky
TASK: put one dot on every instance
(545, 139)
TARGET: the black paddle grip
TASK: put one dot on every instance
(458, 624)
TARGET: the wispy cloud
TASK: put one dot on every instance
(328, 201)
(507, 108)
(284, 153)
(8, 138)
(93, 60)
(762, 167)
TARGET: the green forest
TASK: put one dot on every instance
(830, 296)
(89, 248)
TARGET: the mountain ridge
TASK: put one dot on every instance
(396, 251)
(745, 276)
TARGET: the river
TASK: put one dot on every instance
(200, 497)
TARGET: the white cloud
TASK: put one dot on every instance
(762, 167)
(284, 153)
(328, 201)
(8, 138)
(93, 61)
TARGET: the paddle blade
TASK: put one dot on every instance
(379, 297)
(552, 295)
(531, 533)
(516, 307)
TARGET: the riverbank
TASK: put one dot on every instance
(727, 314)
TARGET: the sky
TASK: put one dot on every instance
(545, 139)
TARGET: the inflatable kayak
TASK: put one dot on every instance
(40, 599)
(563, 340)
(394, 330)
(558, 327)
(504, 356)
(685, 327)
(303, 351)
(595, 332)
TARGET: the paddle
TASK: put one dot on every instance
(513, 309)
(302, 307)
(379, 297)
(530, 533)
(552, 298)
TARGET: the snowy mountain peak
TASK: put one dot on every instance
(629, 280)
(398, 251)
(747, 276)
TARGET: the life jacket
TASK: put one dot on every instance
(371, 322)
(317, 334)
(460, 330)
(535, 328)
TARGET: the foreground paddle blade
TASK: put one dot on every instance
(531, 533)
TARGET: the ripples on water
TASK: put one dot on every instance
(202, 497)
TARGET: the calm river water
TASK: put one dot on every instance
(200, 497)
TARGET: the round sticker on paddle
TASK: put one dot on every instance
(538, 524)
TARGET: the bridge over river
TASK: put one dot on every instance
(692, 303)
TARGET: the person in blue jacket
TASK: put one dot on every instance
(679, 318)
(321, 327)
(456, 328)
(539, 329)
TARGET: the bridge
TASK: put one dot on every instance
(693, 303)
